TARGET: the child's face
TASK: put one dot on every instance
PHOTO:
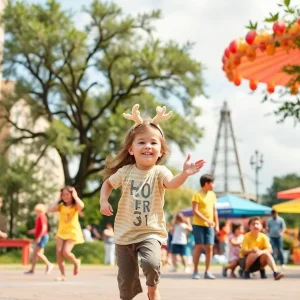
(66, 196)
(38, 212)
(209, 186)
(238, 231)
(256, 226)
(146, 148)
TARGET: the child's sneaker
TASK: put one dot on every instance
(173, 270)
(196, 275)
(187, 270)
(278, 276)
(240, 273)
(246, 275)
(209, 276)
(263, 274)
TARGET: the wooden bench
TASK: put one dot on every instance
(19, 243)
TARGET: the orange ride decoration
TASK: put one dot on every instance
(262, 55)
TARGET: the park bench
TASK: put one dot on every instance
(18, 243)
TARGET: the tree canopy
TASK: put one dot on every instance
(81, 81)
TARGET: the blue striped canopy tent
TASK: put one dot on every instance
(229, 206)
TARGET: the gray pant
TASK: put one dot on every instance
(127, 261)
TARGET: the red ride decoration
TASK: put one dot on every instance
(233, 46)
(253, 84)
(250, 37)
(271, 87)
(237, 80)
(227, 52)
(279, 27)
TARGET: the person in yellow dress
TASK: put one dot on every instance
(69, 231)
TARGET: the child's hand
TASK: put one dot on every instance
(211, 223)
(106, 209)
(192, 168)
(37, 240)
(74, 193)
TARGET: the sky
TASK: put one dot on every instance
(212, 25)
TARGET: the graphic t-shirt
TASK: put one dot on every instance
(140, 213)
(69, 227)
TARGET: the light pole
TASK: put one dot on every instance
(256, 162)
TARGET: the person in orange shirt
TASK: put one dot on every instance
(223, 239)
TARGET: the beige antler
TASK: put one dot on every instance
(135, 115)
(161, 115)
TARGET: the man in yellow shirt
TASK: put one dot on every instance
(205, 223)
(256, 252)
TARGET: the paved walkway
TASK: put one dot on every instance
(100, 283)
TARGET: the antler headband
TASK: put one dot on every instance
(160, 115)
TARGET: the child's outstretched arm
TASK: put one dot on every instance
(105, 207)
(189, 169)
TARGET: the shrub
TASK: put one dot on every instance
(88, 252)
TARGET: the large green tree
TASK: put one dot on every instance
(22, 186)
(81, 81)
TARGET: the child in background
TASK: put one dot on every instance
(40, 233)
(256, 252)
(182, 226)
(190, 248)
(140, 226)
(69, 231)
(223, 239)
(235, 243)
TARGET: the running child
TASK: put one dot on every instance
(40, 233)
(69, 231)
(140, 226)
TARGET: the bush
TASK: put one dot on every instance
(287, 243)
(88, 252)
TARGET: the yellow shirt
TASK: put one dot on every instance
(140, 213)
(261, 242)
(69, 227)
(206, 203)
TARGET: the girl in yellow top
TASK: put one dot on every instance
(69, 231)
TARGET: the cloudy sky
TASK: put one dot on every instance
(212, 25)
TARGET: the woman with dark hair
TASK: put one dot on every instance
(69, 231)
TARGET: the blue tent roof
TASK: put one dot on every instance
(230, 206)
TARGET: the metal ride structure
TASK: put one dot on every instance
(225, 146)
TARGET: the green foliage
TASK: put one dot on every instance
(178, 199)
(81, 81)
(22, 186)
(89, 253)
(288, 243)
(279, 184)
